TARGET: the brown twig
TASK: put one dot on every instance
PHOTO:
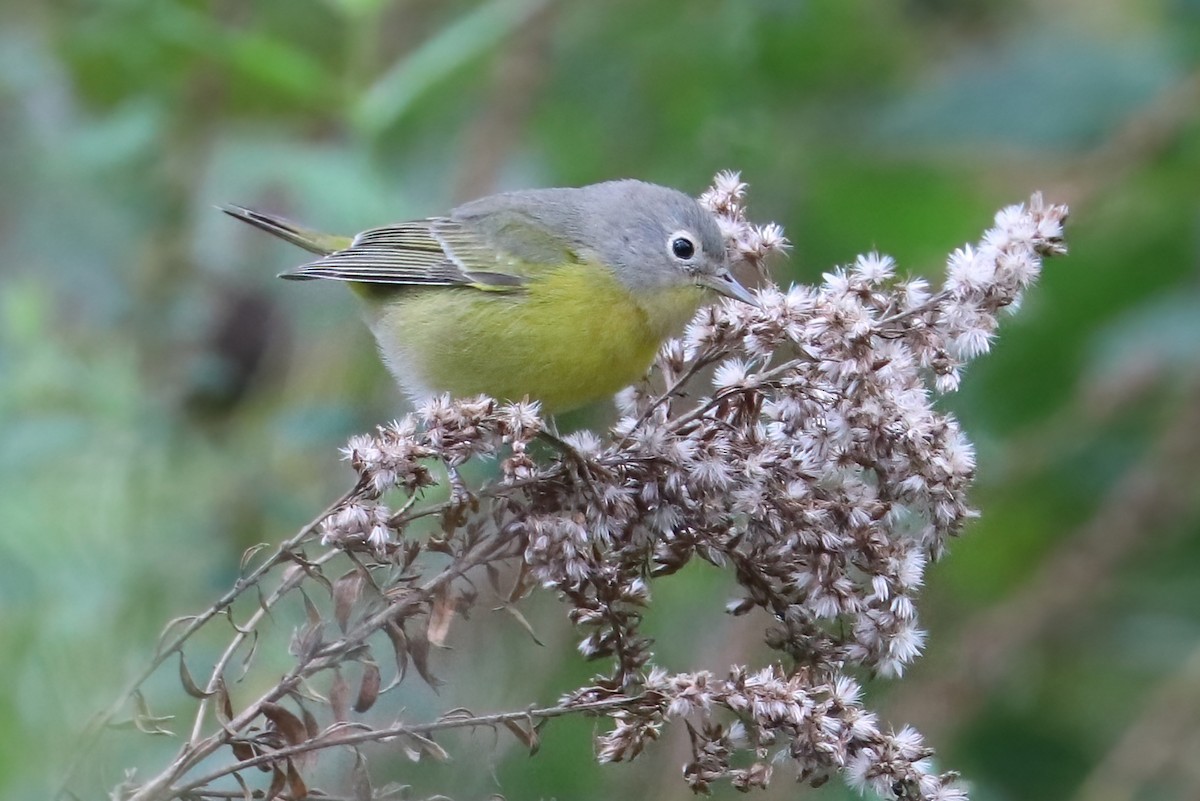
(422, 729)
(329, 655)
(290, 582)
(92, 732)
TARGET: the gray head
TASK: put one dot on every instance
(652, 236)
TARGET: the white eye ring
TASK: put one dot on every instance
(682, 246)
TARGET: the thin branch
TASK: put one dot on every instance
(421, 729)
(91, 733)
(291, 582)
(328, 656)
(687, 375)
(494, 490)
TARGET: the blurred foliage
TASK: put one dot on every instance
(164, 403)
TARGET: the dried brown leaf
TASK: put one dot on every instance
(368, 579)
(278, 782)
(525, 624)
(464, 602)
(171, 624)
(346, 592)
(233, 623)
(428, 746)
(249, 554)
(455, 518)
(457, 713)
(418, 649)
(189, 685)
(368, 688)
(311, 569)
(285, 722)
(521, 585)
(439, 545)
(360, 778)
(394, 791)
(296, 786)
(224, 707)
(247, 795)
(409, 553)
(529, 739)
(307, 640)
(262, 604)
(249, 657)
(441, 615)
(312, 729)
(310, 609)
(147, 722)
(152, 725)
(493, 574)
(242, 750)
(395, 633)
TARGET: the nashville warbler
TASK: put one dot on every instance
(561, 295)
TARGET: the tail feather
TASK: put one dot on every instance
(312, 241)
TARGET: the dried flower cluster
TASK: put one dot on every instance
(817, 470)
(817, 726)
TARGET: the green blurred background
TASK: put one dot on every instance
(164, 402)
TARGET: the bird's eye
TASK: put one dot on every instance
(683, 248)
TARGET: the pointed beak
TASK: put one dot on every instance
(725, 284)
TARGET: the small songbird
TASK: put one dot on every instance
(559, 295)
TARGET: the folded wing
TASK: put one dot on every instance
(432, 252)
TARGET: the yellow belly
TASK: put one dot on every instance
(574, 336)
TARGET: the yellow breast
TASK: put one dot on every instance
(574, 336)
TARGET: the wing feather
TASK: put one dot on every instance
(432, 252)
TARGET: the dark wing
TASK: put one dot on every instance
(433, 252)
(310, 240)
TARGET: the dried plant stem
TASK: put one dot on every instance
(531, 716)
(701, 361)
(881, 327)
(290, 582)
(495, 490)
(328, 656)
(765, 380)
(98, 723)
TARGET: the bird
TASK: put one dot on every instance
(561, 296)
